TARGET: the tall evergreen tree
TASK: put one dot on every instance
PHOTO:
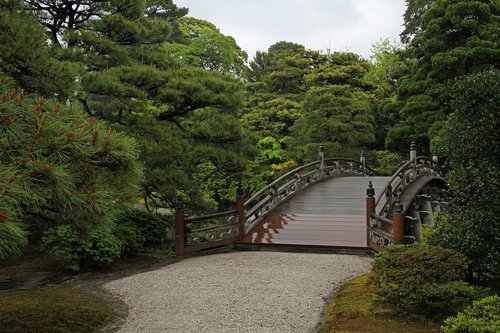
(471, 141)
(132, 82)
(457, 37)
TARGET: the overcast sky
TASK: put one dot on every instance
(338, 25)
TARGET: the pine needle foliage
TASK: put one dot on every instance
(59, 166)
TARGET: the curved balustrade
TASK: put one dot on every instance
(271, 196)
(389, 200)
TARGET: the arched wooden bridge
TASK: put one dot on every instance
(329, 203)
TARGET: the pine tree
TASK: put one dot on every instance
(456, 38)
(60, 167)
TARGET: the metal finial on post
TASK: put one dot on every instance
(239, 190)
(413, 151)
(370, 191)
(398, 206)
(435, 159)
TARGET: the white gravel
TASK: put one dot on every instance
(236, 292)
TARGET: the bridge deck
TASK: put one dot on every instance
(328, 214)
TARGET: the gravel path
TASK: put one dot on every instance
(236, 292)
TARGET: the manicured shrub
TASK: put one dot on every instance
(483, 316)
(422, 280)
(80, 249)
(418, 264)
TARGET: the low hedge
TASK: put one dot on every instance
(423, 280)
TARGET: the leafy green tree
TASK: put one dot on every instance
(273, 118)
(337, 116)
(337, 108)
(471, 142)
(457, 37)
(207, 48)
(284, 49)
(181, 115)
(387, 65)
(63, 15)
(258, 67)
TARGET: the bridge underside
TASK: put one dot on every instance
(329, 214)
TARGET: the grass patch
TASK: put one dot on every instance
(353, 310)
(54, 310)
(32, 263)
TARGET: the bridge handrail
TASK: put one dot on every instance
(393, 183)
(300, 168)
(381, 224)
(351, 160)
(280, 189)
(277, 180)
(197, 219)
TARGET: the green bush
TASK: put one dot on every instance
(422, 280)
(483, 316)
(131, 236)
(80, 249)
(417, 264)
(156, 231)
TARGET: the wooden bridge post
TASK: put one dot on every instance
(321, 157)
(398, 219)
(413, 153)
(362, 160)
(370, 209)
(179, 231)
(240, 208)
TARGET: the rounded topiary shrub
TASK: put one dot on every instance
(483, 316)
(422, 280)
(80, 249)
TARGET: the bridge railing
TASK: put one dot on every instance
(208, 231)
(402, 178)
(271, 196)
(202, 232)
(385, 217)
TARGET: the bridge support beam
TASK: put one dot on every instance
(179, 232)
(398, 220)
(370, 209)
(399, 227)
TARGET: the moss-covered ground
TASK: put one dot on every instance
(353, 310)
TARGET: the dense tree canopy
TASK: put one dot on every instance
(471, 142)
(457, 38)
(178, 95)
